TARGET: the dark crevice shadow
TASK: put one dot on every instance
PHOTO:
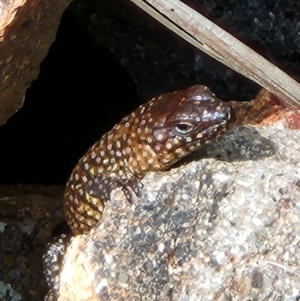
(80, 93)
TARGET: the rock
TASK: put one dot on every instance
(27, 215)
(216, 229)
(27, 29)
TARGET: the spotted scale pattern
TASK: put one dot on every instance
(52, 262)
(152, 138)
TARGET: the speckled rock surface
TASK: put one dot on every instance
(27, 29)
(216, 229)
(27, 216)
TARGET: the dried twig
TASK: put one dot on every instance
(219, 44)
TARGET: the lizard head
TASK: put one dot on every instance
(183, 121)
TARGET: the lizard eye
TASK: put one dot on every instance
(183, 128)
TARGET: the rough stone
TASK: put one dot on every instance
(216, 229)
(27, 217)
(27, 29)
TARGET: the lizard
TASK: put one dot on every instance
(152, 138)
